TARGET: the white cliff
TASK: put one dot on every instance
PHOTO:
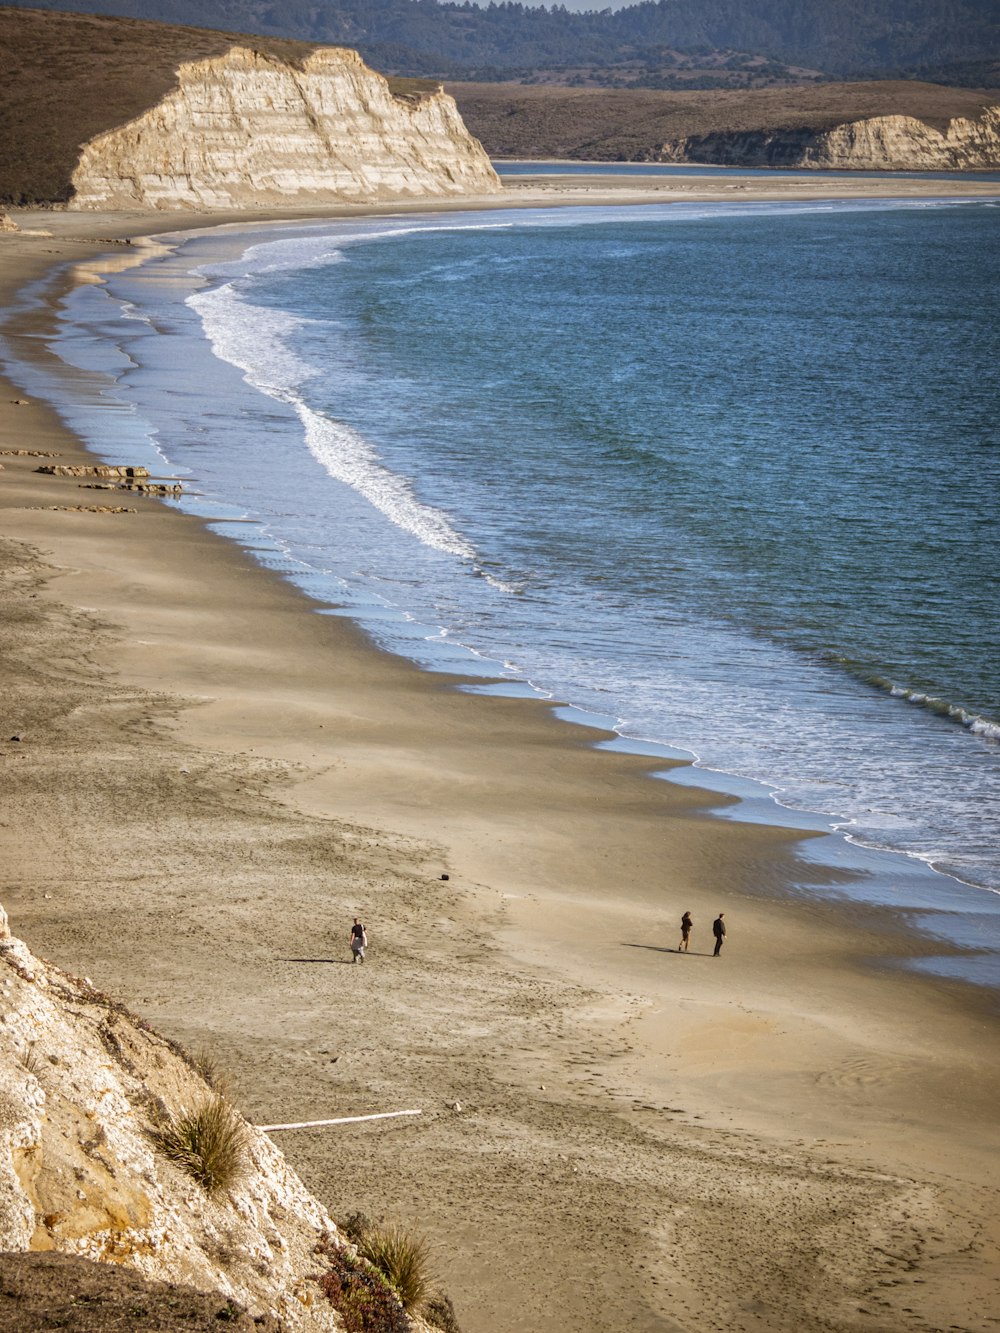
(904, 143)
(877, 143)
(83, 1086)
(248, 130)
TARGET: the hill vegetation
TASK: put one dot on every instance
(657, 43)
(70, 77)
(591, 124)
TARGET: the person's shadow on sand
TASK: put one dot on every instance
(663, 948)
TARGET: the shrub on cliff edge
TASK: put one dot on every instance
(361, 1296)
(403, 1260)
(209, 1143)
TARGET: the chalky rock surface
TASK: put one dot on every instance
(83, 1082)
(247, 130)
(879, 143)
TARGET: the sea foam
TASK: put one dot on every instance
(254, 340)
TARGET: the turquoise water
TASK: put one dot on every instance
(724, 476)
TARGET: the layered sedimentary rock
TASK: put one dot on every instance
(83, 1087)
(246, 129)
(880, 143)
(883, 125)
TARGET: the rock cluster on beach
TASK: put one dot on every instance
(108, 477)
(120, 472)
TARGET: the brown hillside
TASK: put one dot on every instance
(60, 1291)
(69, 77)
(514, 120)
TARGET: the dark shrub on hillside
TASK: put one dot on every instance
(440, 1312)
(365, 1302)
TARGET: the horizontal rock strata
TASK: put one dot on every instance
(881, 143)
(84, 1085)
(247, 130)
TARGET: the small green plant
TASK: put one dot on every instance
(209, 1143)
(362, 1297)
(402, 1258)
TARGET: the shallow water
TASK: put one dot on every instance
(725, 476)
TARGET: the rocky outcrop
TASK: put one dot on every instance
(879, 143)
(119, 472)
(84, 1086)
(247, 130)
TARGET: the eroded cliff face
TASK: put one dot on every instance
(882, 143)
(247, 130)
(83, 1084)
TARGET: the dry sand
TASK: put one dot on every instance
(211, 782)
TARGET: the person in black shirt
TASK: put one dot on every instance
(359, 941)
(686, 927)
(719, 931)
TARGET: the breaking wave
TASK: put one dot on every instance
(254, 340)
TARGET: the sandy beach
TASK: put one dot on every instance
(212, 781)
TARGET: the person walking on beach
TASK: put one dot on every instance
(719, 931)
(686, 927)
(359, 941)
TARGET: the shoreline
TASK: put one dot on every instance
(905, 882)
(535, 987)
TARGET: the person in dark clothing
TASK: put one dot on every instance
(686, 927)
(719, 931)
(359, 941)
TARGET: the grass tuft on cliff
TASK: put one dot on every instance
(403, 1259)
(209, 1143)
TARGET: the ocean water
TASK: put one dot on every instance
(726, 478)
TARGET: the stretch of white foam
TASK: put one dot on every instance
(254, 340)
(324, 243)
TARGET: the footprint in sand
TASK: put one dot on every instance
(864, 1072)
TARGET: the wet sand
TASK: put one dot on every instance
(212, 781)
